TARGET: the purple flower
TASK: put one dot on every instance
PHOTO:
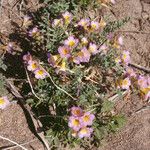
(85, 132)
(40, 74)
(4, 102)
(130, 72)
(9, 47)
(86, 55)
(125, 57)
(32, 65)
(33, 32)
(94, 25)
(71, 42)
(76, 111)
(87, 119)
(84, 41)
(113, 1)
(52, 59)
(67, 17)
(93, 49)
(120, 40)
(84, 23)
(27, 57)
(74, 123)
(64, 51)
(57, 23)
(82, 56)
(125, 83)
(142, 82)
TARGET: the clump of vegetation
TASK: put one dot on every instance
(74, 69)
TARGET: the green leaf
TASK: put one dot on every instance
(107, 106)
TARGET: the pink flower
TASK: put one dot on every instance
(78, 59)
(9, 47)
(40, 74)
(130, 72)
(82, 56)
(87, 119)
(86, 55)
(74, 123)
(113, 1)
(64, 51)
(125, 57)
(33, 32)
(57, 23)
(142, 82)
(125, 83)
(32, 65)
(84, 41)
(94, 25)
(27, 57)
(84, 23)
(76, 111)
(52, 59)
(85, 132)
(93, 49)
(71, 42)
(4, 102)
(67, 17)
(120, 40)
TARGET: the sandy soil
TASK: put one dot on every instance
(136, 134)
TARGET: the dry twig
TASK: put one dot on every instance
(147, 70)
(4, 138)
(28, 78)
(15, 146)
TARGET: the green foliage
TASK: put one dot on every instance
(107, 106)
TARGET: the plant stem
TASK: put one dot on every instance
(13, 142)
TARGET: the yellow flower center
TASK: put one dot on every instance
(65, 51)
(124, 56)
(67, 17)
(71, 43)
(2, 101)
(93, 26)
(40, 72)
(34, 66)
(86, 118)
(76, 112)
(91, 49)
(83, 131)
(76, 122)
(125, 82)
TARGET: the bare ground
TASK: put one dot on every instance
(136, 134)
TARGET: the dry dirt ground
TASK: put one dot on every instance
(136, 133)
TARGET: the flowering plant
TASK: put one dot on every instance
(74, 68)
